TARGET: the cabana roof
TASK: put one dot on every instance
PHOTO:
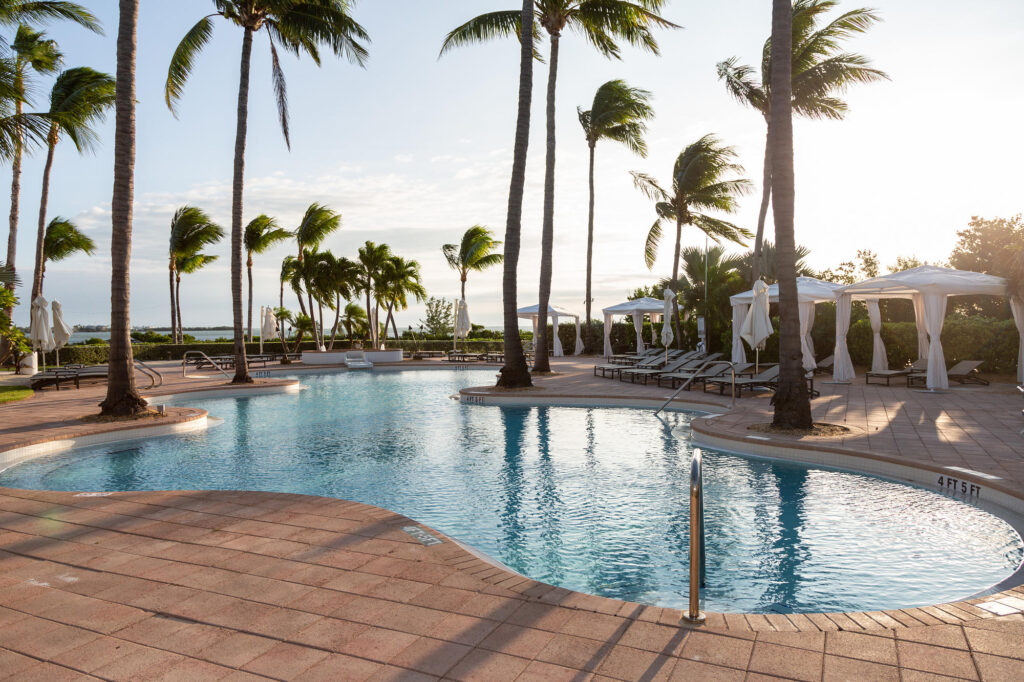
(532, 311)
(639, 305)
(927, 279)
(809, 290)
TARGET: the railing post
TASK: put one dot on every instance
(693, 614)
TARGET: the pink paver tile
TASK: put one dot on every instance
(686, 670)
(722, 650)
(879, 649)
(575, 652)
(285, 661)
(516, 640)
(626, 663)
(329, 633)
(838, 669)
(377, 644)
(488, 666)
(340, 668)
(538, 671)
(938, 660)
(431, 656)
(237, 649)
(772, 659)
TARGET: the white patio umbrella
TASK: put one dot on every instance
(667, 336)
(757, 326)
(39, 333)
(268, 330)
(462, 324)
(61, 331)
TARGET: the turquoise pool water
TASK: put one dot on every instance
(593, 499)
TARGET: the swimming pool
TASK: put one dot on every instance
(592, 499)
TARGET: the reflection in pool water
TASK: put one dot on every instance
(593, 499)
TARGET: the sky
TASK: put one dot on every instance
(414, 149)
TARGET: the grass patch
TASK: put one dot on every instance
(10, 394)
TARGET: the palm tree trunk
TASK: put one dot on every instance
(676, 323)
(320, 338)
(547, 235)
(766, 194)
(174, 310)
(248, 270)
(12, 234)
(791, 401)
(44, 195)
(312, 314)
(514, 373)
(463, 287)
(337, 318)
(369, 326)
(177, 303)
(590, 240)
(122, 397)
(241, 366)
(394, 325)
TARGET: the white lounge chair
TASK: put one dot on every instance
(356, 359)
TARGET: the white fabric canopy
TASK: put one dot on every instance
(1017, 308)
(879, 358)
(39, 333)
(842, 365)
(739, 313)
(928, 287)
(806, 309)
(636, 309)
(532, 313)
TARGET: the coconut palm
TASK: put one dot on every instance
(289, 270)
(820, 74)
(700, 182)
(317, 223)
(79, 98)
(191, 231)
(63, 240)
(791, 399)
(619, 113)
(260, 234)
(299, 26)
(401, 280)
(372, 260)
(342, 279)
(186, 265)
(354, 319)
(602, 22)
(475, 252)
(122, 397)
(769, 263)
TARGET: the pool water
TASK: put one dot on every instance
(592, 499)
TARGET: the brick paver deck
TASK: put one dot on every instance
(241, 585)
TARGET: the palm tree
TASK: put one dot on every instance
(122, 397)
(401, 279)
(354, 319)
(619, 113)
(342, 279)
(709, 278)
(699, 183)
(473, 253)
(373, 259)
(191, 230)
(820, 73)
(300, 26)
(261, 233)
(769, 263)
(317, 223)
(187, 264)
(791, 399)
(602, 22)
(63, 240)
(79, 98)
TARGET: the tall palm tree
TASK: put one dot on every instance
(699, 183)
(618, 113)
(373, 259)
(342, 279)
(191, 231)
(63, 240)
(475, 252)
(820, 73)
(401, 280)
(122, 397)
(791, 399)
(261, 233)
(354, 319)
(186, 265)
(602, 22)
(79, 98)
(299, 26)
(317, 223)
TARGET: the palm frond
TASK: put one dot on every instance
(280, 92)
(80, 97)
(740, 83)
(184, 59)
(649, 186)
(651, 244)
(44, 11)
(485, 27)
(63, 239)
(719, 230)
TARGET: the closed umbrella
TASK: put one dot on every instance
(462, 325)
(667, 336)
(268, 329)
(757, 326)
(61, 331)
(39, 333)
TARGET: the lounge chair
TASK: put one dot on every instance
(825, 366)
(963, 372)
(356, 359)
(712, 371)
(768, 378)
(677, 365)
(653, 362)
(633, 358)
(919, 365)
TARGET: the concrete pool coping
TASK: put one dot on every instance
(801, 638)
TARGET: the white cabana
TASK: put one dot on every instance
(810, 291)
(635, 309)
(928, 287)
(532, 313)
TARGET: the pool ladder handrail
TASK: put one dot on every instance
(697, 562)
(685, 384)
(184, 363)
(156, 379)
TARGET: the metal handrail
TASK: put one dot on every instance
(685, 384)
(184, 364)
(156, 379)
(694, 615)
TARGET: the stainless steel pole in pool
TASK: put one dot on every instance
(696, 537)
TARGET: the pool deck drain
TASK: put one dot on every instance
(241, 585)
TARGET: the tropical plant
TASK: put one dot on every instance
(602, 22)
(709, 278)
(401, 280)
(260, 234)
(438, 319)
(317, 223)
(372, 261)
(191, 231)
(475, 252)
(122, 397)
(79, 98)
(769, 270)
(791, 399)
(700, 182)
(186, 265)
(299, 26)
(342, 279)
(354, 319)
(63, 240)
(619, 113)
(820, 74)
(302, 324)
